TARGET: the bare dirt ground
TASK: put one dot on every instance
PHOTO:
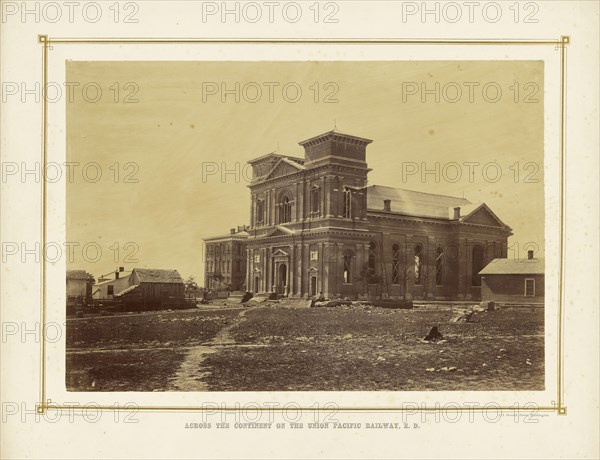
(270, 348)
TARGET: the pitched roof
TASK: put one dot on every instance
(280, 230)
(228, 236)
(334, 133)
(151, 275)
(77, 275)
(413, 203)
(514, 267)
(112, 280)
(473, 214)
(274, 155)
(125, 291)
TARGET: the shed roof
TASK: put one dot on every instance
(77, 275)
(127, 290)
(514, 267)
(153, 275)
(413, 203)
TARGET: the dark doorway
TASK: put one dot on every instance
(476, 266)
(282, 281)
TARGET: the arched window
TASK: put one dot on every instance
(372, 256)
(395, 264)
(315, 200)
(418, 262)
(347, 203)
(260, 212)
(439, 266)
(285, 210)
(348, 255)
(476, 265)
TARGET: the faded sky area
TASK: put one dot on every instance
(176, 131)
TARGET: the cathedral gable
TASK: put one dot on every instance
(283, 168)
(483, 215)
(280, 231)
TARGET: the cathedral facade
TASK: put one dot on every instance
(317, 227)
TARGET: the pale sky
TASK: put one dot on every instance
(172, 135)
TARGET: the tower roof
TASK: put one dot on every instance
(336, 135)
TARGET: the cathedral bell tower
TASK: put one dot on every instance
(336, 164)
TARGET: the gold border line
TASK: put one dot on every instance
(564, 40)
(287, 41)
(43, 39)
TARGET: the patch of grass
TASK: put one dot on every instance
(146, 370)
(185, 327)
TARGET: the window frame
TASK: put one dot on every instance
(372, 258)
(259, 219)
(347, 208)
(525, 286)
(315, 201)
(285, 210)
(439, 266)
(396, 264)
(347, 267)
(418, 264)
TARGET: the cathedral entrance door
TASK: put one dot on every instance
(282, 279)
(313, 286)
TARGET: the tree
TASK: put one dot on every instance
(190, 284)
(217, 280)
(405, 268)
(90, 281)
(369, 276)
(427, 271)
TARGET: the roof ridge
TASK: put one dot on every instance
(418, 191)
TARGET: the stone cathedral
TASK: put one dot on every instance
(318, 227)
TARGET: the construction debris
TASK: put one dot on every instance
(466, 315)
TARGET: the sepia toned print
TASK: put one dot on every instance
(295, 226)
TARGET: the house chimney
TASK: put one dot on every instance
(232, 230)
(530, 254)
(457, 213)
(387, 205)
(117, 275)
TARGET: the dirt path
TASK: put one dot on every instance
(190, 374)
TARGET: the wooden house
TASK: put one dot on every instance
(152, 289)
(514, 281)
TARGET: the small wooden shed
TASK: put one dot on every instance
(514, 281)
(152, 289)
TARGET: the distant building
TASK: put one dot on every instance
(108, 288)
(316, 226)
(150, 289)
(225, 260)
(510, 281)
(76, 284)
